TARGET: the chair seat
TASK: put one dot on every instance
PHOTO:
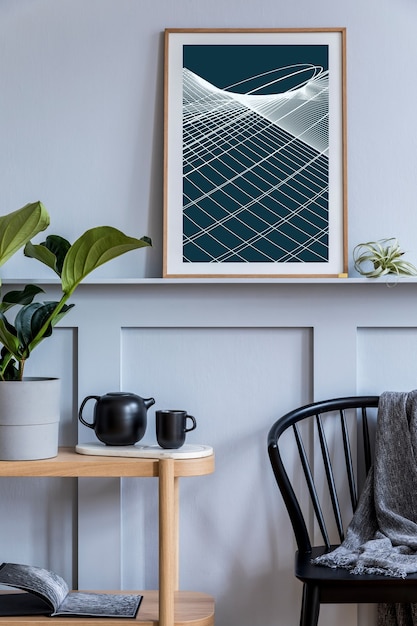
(338, 585)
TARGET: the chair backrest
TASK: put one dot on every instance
(336, 416)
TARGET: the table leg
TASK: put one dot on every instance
(168, 539)
(176, 542)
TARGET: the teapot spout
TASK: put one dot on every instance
(148, 402)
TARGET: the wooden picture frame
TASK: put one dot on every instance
(255, 153)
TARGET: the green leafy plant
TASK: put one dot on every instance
(379, 258)
(35, 320)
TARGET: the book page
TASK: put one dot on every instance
(42, 582)
(100, 604)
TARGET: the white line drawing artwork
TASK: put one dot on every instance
(255, 168)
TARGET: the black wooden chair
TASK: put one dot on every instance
(321, 584)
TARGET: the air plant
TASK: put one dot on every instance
(383, 257)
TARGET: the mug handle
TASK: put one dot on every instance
(194, 426)
(80, 417)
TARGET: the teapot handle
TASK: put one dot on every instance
(84, 402)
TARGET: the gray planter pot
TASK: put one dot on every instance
(29, 419)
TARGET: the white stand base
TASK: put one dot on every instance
(187, 451)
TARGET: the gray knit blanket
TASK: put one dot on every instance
(382, 536)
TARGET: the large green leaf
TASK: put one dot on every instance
(31, 319)
(24, 325)
(22, 297)
(9, 369)
(61, 313)
(94, 248)
(8, 336)
(17, 228)
(51, 252)
(40, 253)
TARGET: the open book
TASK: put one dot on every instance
(49, 595)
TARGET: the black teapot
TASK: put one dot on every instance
(120, 418)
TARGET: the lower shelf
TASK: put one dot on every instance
(191, 609)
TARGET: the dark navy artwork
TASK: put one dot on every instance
(255, 153)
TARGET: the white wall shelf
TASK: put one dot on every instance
(220, 281)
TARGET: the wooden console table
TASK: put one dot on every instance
(168, 606)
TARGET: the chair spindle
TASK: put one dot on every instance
(348, 458)
(311, 486)
(330, 477)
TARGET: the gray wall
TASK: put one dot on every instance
(81, 128)
(82, 121)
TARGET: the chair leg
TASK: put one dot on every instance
(310, 607)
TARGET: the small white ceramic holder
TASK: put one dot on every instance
(187, 451)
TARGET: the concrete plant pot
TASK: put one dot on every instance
(29, 419)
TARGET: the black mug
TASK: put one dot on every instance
(171, 426)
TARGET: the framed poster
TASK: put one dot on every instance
(255, 153)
